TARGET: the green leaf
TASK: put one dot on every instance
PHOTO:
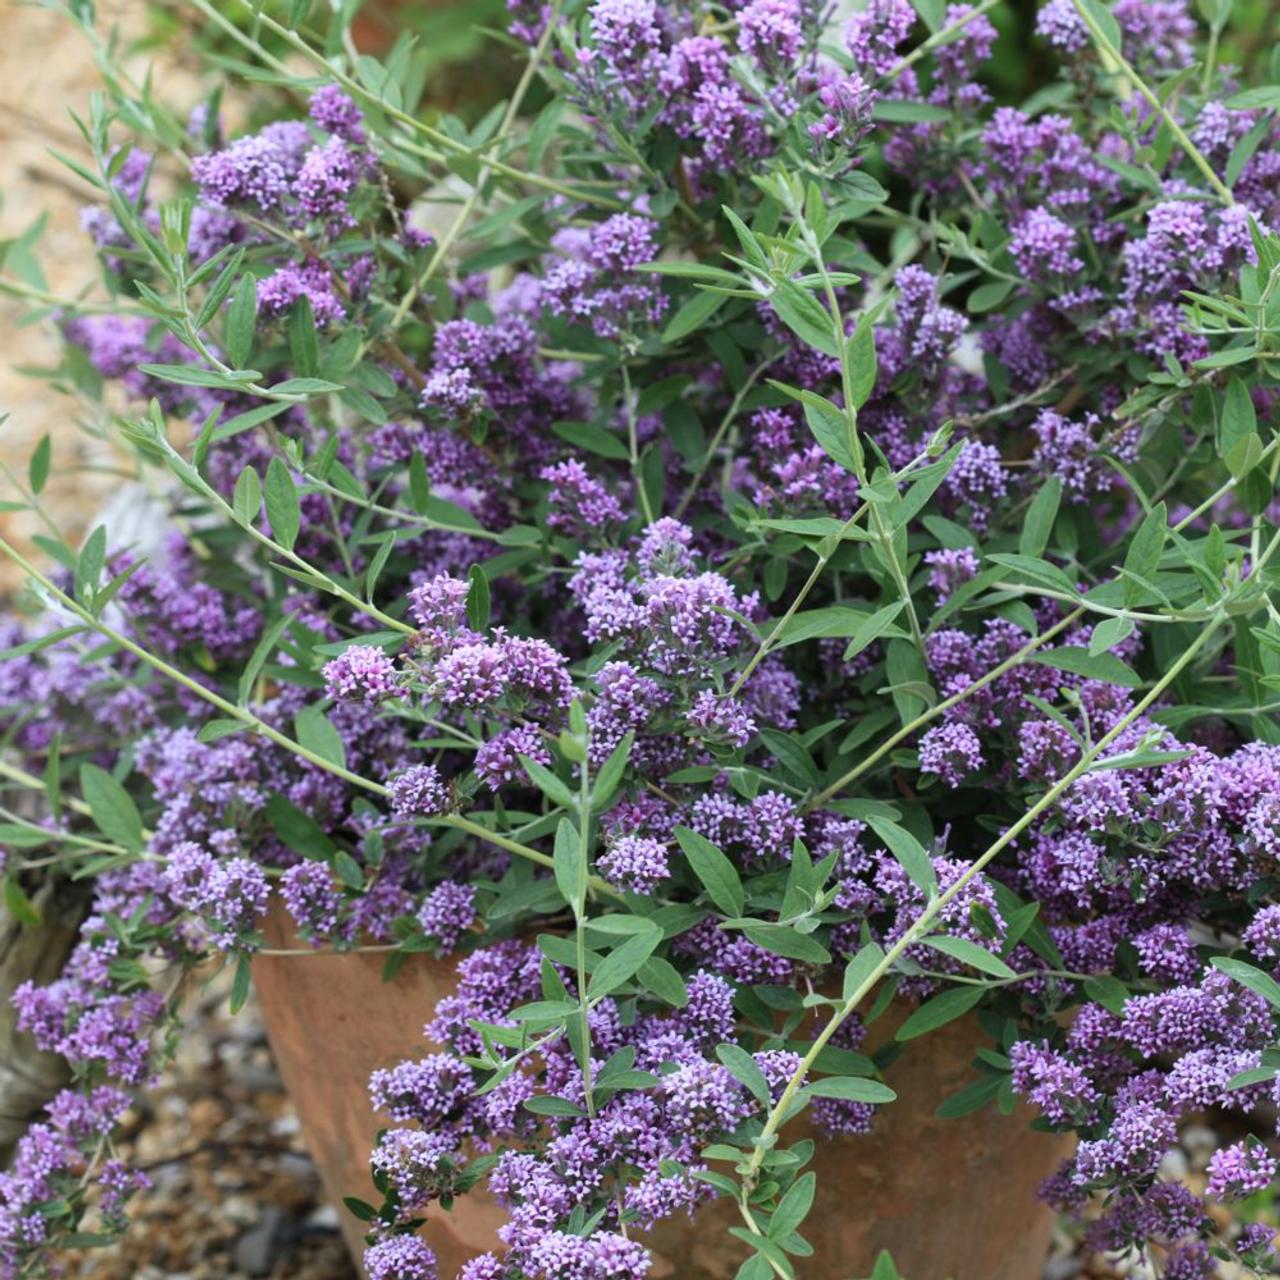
(1105, 22)
(908, 852)
(264, 649)
(623, 963)
(718, 875)
(791, 755)
(39, 642)
(862, 360)
(873, 628)
(348, 870)
(478, 599)
(112, 807)
(1142, 560)
(306, 386)
(745, 1070)
(1249, 976)
(90, 562)
(693, 315)
(884, 1268)
(546, 1105)
(662, 979)
(186, 375)
(297, 830)
(593, 438)
(783, 940)
(1079, 662)
(283, 509)
(1108, 991)
(38, 466)
(240, 984)
(1108, 633)
(246, 499)
(567, 861)
(804, 315)
(214, 730)
(860, 968)
(18, 905)
(419, 484)
(547, 782)
(1239, 418)
(851, 1088)
(905, 111)
(359, 1208)
(1040, 571)
(242, 322)
(1263, 96)
(947, 1007)
(610, 775)
(304, 345)
(986, 297)
(971, 1098)
(1041, 514)
(317, 734)
(251, 418)
(830, 428)
(969, 953)
(794, 1207)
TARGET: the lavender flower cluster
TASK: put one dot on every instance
(817, 520)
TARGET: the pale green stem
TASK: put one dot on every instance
(193, 478)
(464, 214)
(925, 717)
(357, 90)
(730, 414)
(1016, 588)
(258, 725)
(1193, 152)
(33, 783)
(924, 921)
(580, 927)
(940, 37)
(633, 444)
(767, 644)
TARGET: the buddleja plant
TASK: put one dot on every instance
(793, 539)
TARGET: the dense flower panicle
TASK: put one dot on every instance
(361, 673)
(311, 897)
(846, 119)
(252, 170)
(400, 1258)
(335, 112)
(448, 913)
(951, 751)
(874, 34)
(313, 281)
(771, 31)
(419, 792)
(638, 863)
(326, 179)
(1044, 245)
(595, 280)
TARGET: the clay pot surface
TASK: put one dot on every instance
(950, 1199)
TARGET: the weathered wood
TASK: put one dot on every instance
(37, 953)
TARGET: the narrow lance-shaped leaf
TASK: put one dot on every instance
(718, 875)
(283, 509)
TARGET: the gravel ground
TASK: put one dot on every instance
(235, 1195)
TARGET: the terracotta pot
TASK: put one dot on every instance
(950, 1199)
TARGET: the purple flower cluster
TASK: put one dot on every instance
(663, 673)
